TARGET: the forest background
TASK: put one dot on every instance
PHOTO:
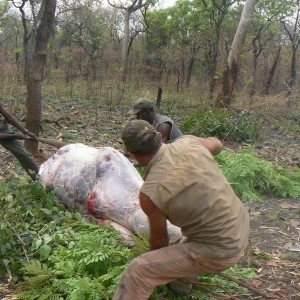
(119, 46)
(72, 69)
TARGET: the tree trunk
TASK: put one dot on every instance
(28, 43)
(189, 71)
(125, 45)
(158, 98)
(253, 84)
(272, 71)
(292, 81)
(212, 79)
(231, 69)
(213, 65)
(34, 83)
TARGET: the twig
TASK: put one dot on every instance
(249, 287)
(205, 284)
(117, 141)
(54, 128)
(56, 122)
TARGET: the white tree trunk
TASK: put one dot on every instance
(126, 37)
(231, 71)
(236, 46)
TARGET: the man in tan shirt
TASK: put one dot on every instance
(183, 184)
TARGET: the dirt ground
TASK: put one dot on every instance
(274, 246)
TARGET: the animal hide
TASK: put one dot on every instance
(105, 183)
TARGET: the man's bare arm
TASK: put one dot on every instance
(214, 145)
(157, 221)
(165, 130)
(12, 136)
(11, 119)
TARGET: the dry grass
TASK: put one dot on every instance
(273, 106)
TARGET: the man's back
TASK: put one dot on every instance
(184, 181)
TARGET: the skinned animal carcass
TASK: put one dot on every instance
(105, 183)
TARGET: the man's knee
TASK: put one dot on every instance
(134, 268)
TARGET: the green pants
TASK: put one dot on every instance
(26, 160)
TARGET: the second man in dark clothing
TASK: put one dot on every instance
(143, 109)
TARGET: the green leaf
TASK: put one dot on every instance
(47, 238)
(45, 251)
(38, 243)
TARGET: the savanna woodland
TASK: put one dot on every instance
(71, 70)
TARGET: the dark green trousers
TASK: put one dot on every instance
(26, 160)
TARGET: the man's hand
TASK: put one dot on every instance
(30, 134)
(17, 136)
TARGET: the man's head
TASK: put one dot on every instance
(143, 109)
(141, 138)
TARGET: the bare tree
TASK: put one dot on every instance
(291, 25)
(29, 37)
(272, 71)
(127, 40)
(230, 72)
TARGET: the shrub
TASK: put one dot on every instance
(229, 125)
(29, 218)
(252, 178)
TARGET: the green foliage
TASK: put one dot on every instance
(141, 170)
(252, 178)
(141, 245)
(209, 285)
(18, 51)
(288, 127)
(29, 218)
(223, 124)
(56, 252)
(89, 268)
(241, 273)
(38, 274)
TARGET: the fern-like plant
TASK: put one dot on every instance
(88, 268)
(253, 178)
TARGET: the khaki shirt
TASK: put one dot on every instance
(185, 183)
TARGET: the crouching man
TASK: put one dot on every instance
(183, 184)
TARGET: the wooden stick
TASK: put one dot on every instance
(54, 143)
(249, 287)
